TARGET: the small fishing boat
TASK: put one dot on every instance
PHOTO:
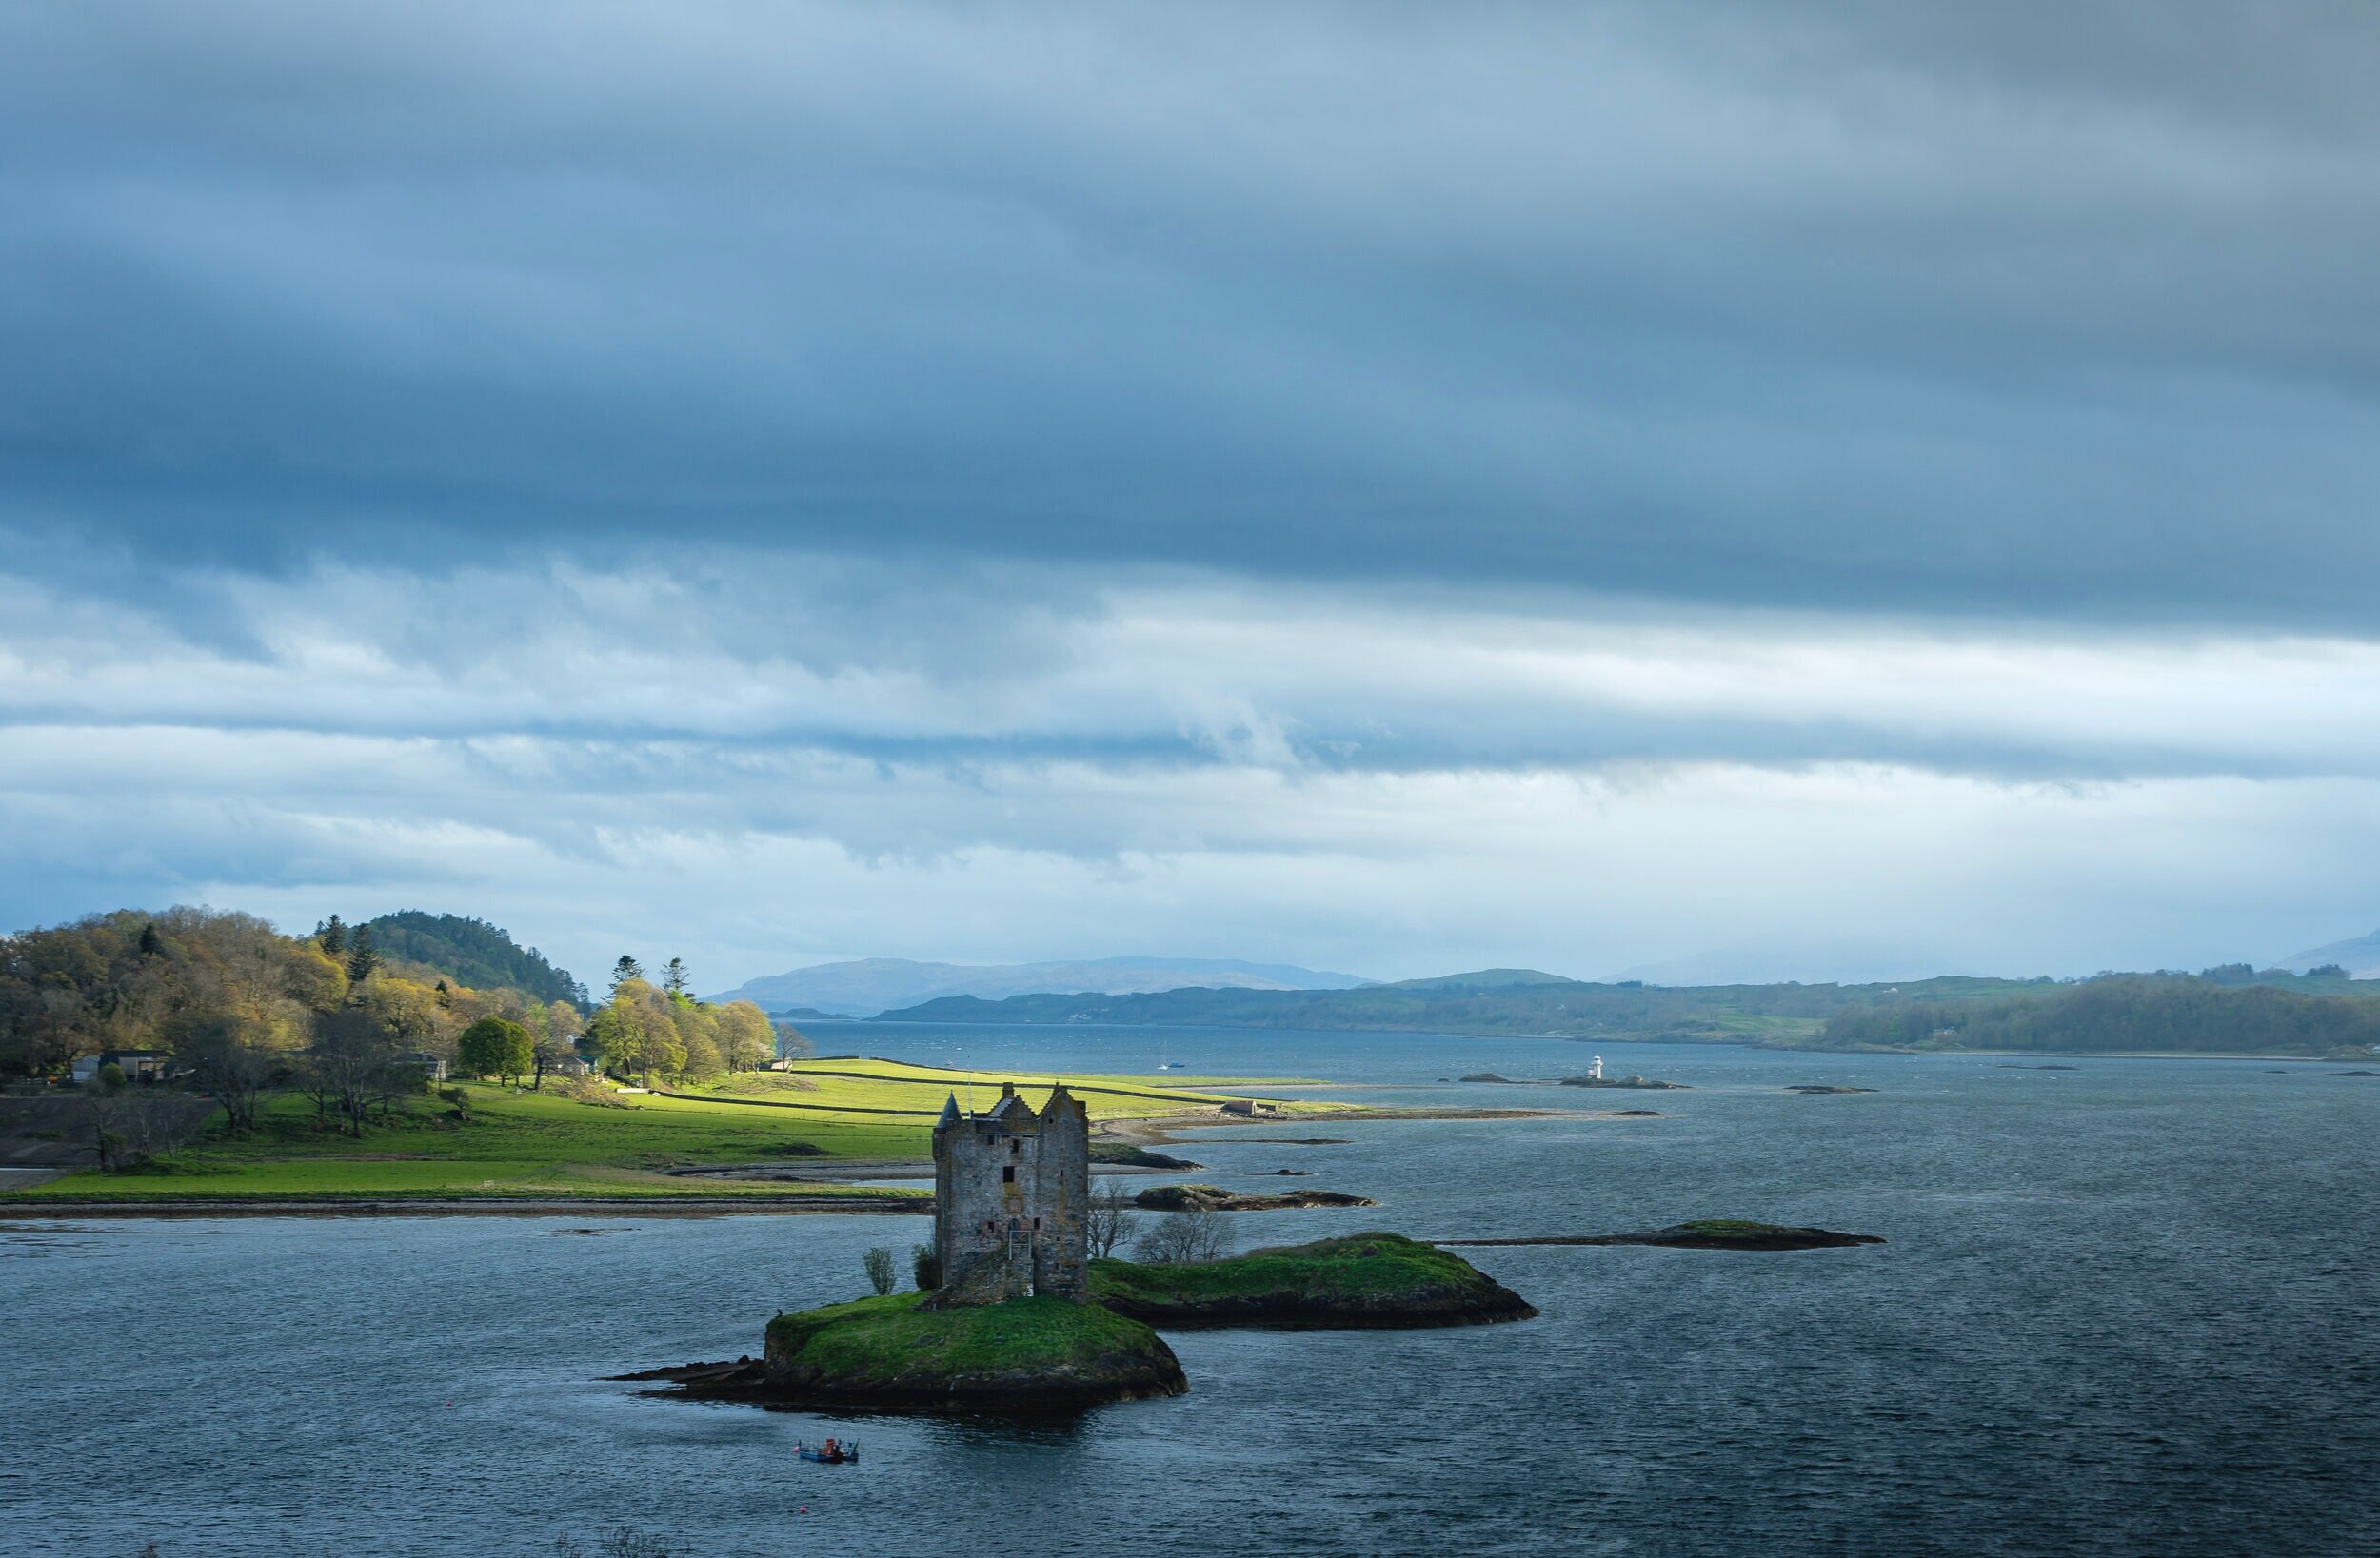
(833, 1452)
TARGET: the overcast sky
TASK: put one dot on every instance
(1747, 490)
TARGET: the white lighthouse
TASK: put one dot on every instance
(1595, 1068)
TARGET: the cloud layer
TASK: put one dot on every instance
(1383, 487)
(797, 758)
(2050, 310)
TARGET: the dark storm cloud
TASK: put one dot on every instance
(2062, 310)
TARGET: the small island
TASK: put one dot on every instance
(1036, 1354)
(1707, 1234)
(895, 1353)
(1369, 1280)
(1595, 1079)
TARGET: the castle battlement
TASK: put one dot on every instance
(1011, 1188)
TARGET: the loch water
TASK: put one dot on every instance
(2125, 1308)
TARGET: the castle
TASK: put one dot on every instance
(1012, 1191)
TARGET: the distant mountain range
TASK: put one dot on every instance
(2360, 957)
(879, 984)
(2230, 1010)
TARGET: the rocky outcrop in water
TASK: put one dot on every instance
(1130, 1154)
(1717, 1233)
(1215, 1198)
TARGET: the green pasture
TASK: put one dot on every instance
(515, 1144)
(896, 1085)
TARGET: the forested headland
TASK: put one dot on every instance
(351, 1017)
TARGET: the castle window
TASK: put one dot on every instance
(1008, 1176)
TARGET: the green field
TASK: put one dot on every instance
(898, 1088)
(521, 1145)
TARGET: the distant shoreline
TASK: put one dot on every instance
(1746, 1043)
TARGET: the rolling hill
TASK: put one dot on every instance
(473, 952)
(2360, 957)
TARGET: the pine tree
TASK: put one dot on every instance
(332, 936)
(362, 959)
(625, 970)
(673, 978)
(150, 946)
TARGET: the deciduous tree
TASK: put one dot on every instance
(1111, 1218)
(229, 1060)
(495, 1047)
(1185, 1238)
(792, 1043)
(352, 1065)
(744, 1040)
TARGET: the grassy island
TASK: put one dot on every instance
(1365, 1279)
(892, 1353)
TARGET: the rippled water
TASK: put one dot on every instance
(2125, 1310)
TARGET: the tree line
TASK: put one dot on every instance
(247, 1011)
(648, 1029)
(2151, 1013)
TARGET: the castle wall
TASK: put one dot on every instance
(1061, 1257)
(1011, 1188)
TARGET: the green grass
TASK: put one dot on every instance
(546, 1145)
(198, 1176)
(1730, 1228)
(1361, 1265)
(875, 1341)
(897, 1086)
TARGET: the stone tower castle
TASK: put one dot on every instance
(1011, 1188)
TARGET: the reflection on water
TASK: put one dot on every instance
(2119, 1313)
